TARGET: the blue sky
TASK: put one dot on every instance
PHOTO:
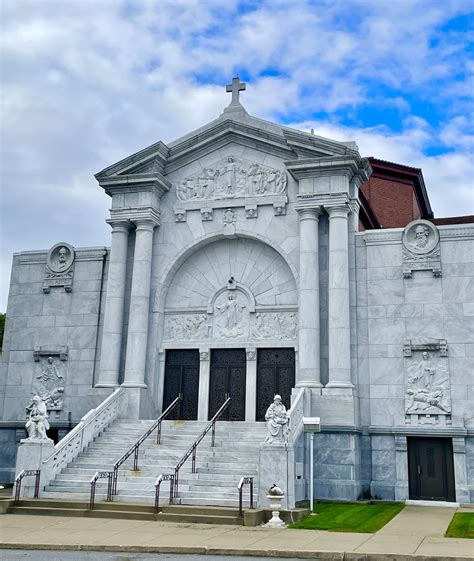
(86, 83)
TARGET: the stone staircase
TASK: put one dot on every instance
(218, 468)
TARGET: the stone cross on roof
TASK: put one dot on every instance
(236, 87)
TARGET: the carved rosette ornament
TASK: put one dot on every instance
(59, 267)
(421, 249)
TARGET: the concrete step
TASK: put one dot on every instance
(200, 518)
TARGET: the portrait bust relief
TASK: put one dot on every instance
(420, 237)
(60, 257)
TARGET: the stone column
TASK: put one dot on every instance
(251, 385)
(338, 299)
(308, 372)
(114, 303)
(204, 379)
(139, 305)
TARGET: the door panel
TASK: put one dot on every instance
(182, 376)
(430, 467)
(228, 374)
(275, 375)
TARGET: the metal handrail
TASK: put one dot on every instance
(100, 475)
(19, 478)
(134, 449)
(192, 449)
(245, 481)
(163, 477)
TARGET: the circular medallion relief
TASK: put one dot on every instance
(60, 257)
(420, 236)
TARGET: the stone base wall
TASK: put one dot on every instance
(470, 466)
(8, 449)
(339, 472)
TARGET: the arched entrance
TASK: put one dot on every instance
(228, 300)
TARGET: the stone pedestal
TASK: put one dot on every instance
(30, 455)
(276, 465)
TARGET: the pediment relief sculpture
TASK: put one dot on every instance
(232, 178)
(421, 249)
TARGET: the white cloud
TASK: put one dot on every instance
(86, 83)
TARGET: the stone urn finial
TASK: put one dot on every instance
(275, 495)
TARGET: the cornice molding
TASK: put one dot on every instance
(350, 165)
(136, 214)
(154, 182)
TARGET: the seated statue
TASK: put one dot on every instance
(37, 423)
(277, 422)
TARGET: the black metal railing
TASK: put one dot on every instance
(27, 473)
(245, 481)
(101, 475)
(136, 447)
(163, 477)
(192, 449)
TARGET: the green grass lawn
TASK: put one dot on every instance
(349, 517)
(462, 526)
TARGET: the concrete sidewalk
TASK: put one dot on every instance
(416, 531)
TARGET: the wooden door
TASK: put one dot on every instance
(275, 375)
(182, 376)
(227, 377)
(430, 468)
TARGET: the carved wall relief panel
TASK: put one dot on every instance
(231, 315)
(59, 267)
(49, 382)
(427, 381)
(181, 327)
(275, 325)
(421, 249)
(232, 178)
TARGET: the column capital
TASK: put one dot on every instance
(119, 224)
(309, 212)
(144, 224)
(338, 211)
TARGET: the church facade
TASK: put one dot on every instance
(238, 267)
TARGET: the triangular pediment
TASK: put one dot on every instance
(237, 128)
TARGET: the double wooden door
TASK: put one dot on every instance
(227, 377)
(430, 468)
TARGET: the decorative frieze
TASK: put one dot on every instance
(59, 267)
(231, 319)
(421, 249)
(276, 325)
(231, 178)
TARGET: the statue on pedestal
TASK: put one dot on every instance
(277, 422)
(37, 423)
